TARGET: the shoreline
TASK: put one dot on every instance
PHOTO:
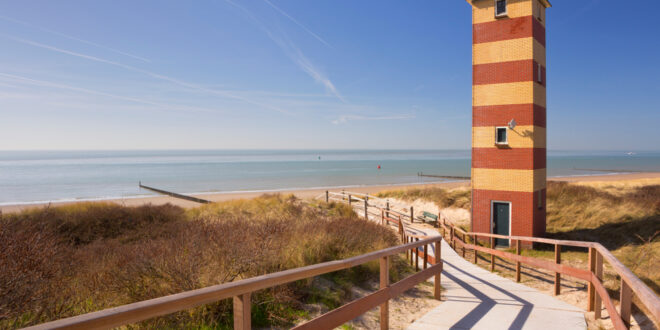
(303, 193)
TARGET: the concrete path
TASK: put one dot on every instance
(474, 298)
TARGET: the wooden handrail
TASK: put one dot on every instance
(630, 282)
(139, 311)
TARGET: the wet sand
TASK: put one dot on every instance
(312, 193)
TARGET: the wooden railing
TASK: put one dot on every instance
(240, 291)
(597, 293)
(362, 201)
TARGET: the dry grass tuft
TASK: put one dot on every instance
(59, 262)
(457, 197)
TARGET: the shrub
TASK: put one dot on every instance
(65, 261)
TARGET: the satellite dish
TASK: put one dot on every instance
(512, 124)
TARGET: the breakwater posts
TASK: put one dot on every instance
(175, 195)
(610, 171)
(443, 176)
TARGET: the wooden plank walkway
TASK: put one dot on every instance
(474, 298)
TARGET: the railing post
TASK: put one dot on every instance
(417, 256)
(426, 255)
(599, 274)
(242, 309)
(451, 237)
(557, 274)
(518, 262)
(366, 206)
(492, 256)
(411, 252)
(387, 208)
(412, 215)
(382, 217)
(474, 241)
(407, 251)
(350, 200)
(591, 289)
(327, 196)
(438, 259)
(384, 283)
(463, 245)
(626, 302)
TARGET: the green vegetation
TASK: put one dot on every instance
(65, 261)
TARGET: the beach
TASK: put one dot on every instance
(629, 178)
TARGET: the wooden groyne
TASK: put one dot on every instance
(175, 195)
(443, 176)
(610, 171)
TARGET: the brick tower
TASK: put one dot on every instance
(508, 117)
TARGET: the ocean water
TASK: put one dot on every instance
(39, 176)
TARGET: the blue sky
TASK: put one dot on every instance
(305, 74)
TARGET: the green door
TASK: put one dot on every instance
(501, 216)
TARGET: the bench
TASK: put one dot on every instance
(429, 217)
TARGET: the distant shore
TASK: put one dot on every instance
(311, 193)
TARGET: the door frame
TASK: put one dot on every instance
(492, 214)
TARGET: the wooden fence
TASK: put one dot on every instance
(597, 293)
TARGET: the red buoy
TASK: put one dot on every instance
(379, 167)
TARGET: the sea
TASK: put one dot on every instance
(28, 177)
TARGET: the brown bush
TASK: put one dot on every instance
(59, 262)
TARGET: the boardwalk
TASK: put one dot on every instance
(474, 298)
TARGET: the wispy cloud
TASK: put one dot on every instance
(148, 73)
(346, 118)
(293, 52)
(48, 84)
(307, 66)
(13, 20)
(279, 10)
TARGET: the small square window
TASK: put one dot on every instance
(500, 8)
(540, 74)
(540, 199)
(501, 135)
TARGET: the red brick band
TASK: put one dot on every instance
(507, 72)
(509, 158)
(500, 115)
(506, 29)
(524, 206)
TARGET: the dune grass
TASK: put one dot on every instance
(70, 260)
(457, 197)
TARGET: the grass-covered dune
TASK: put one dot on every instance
(63, 261)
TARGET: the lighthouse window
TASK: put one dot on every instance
(500, 135)
(500, 8)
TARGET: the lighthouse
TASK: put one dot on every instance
(509, 117)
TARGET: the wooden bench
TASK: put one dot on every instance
(429, 217)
